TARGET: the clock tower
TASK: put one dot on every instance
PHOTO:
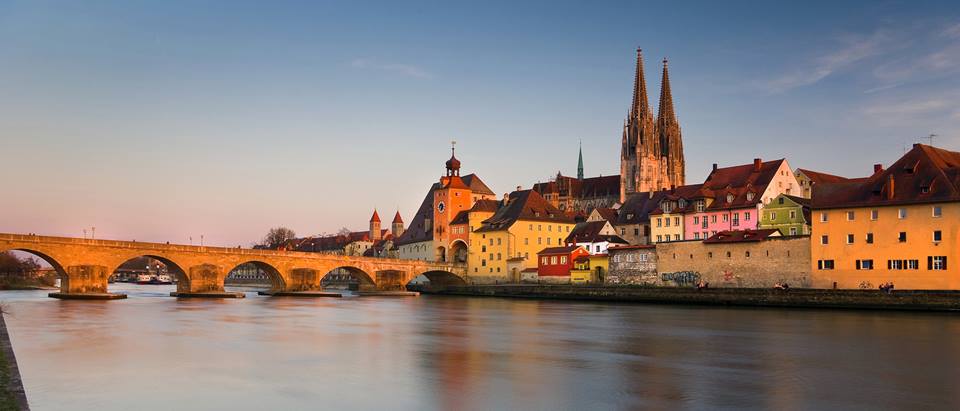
(451, 198)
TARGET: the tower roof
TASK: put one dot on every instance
(375, 218)
(640, 104)
(453, 164)
(665, 110)
(397, 219)
(580, 163)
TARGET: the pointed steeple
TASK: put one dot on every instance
(668, 131)
(375, 217)
(580, 163)
(640, 104)
(397, 218)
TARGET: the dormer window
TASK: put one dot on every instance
(729, 198)
(749, 196)
(683, 203)
(924, 189)
(699, 205)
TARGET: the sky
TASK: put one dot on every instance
(162, 121)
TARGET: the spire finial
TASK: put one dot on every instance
(580, 162)
(453, 146)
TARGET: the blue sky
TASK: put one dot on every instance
(164, 120)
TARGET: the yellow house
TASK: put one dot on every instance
(523, 225)
(590, 269)
(899, 225)
(667, 221)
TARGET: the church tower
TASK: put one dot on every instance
(375, 226)
(580, 164)
(451, 198)
(396, 227)
(651, 158)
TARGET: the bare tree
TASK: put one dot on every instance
(344, 231)
(277, 236)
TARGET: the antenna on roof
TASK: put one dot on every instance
(930, 137)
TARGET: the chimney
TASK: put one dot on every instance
(756, 164)
(519, 188)
(890, 188)
(714, 166)
(877, 168)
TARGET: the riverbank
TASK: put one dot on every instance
(908, 300)
(12, 394)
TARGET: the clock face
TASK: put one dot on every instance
(441, 207)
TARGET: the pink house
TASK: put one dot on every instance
(731, 198)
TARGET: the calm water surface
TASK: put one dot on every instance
(153, 352)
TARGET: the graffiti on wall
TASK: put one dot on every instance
(681, 277)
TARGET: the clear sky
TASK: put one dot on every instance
(158, 121)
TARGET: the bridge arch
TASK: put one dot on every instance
(366, 279)
(173, 268)
(277, 282)
(53, 262)
(440, 278)
(458, 252)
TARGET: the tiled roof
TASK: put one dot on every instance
(608, 214)
(486, 205)
(739, 181)
(741, 236)
(636, 209)
(397, 219)
(602, 186)
(325, 243)
(462, 217)
(417, 231)
(925, 174)
(476, 185)
(686, 193)
(558, 250)
(375, 218)
(524, 205)
(590, 233)
(817, 177)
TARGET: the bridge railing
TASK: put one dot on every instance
(40, 239)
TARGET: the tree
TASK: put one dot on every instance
(344, 231)
(277, 236)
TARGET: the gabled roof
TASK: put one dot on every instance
(418, 231)
(608, 214)
(490, 206)
(739, 181)
(397, 219)
(375, 218)
(636, 209)
(742, 236)
(817, 177)
(686, 192)
(558, 250)
(590, 232)
(799, 200)
(925, 174)
(525, 205)
(476, 185)
(602, 186)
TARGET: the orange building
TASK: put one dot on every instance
(899, 225)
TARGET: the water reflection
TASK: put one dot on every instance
(155, 352)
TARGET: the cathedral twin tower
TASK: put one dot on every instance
(651, 156)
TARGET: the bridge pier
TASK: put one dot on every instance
(204, 281)
(85, 282)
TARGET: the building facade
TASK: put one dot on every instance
(788, 214)
(554, 263)
(899, 225)
(651, 154)
(632, 265)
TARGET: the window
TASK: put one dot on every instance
(849, 238)
(699, 205)
(539, 240)
(937, 211)
(937, 236)
(549, 228)
(484, 263)
(825, 264)
(713, 219)
(780, 200)
(623, 231)
(903, 237)
(824, 239)
(667, 223)
(729, 198)
(747, 254)
(676, 221)
(823, 217)
(869, 238)
(874, 214)
(526, 241)
(659, 222)
(643, 258)
(548, 240)
(850, 216)
(937, 262)
(696, 220)
(598, 249)
(499, 241)
(750, 197)
(773, 215)
(864, 264)
(483, 248)
(539, 227)
(793, 230)
(499, 256)
(636, 231)
(676, 237)
(710, 254)
(728, 254)
(531, 227)
(903, 264)
(491, 256)
(491, 241)
(659, 238)
(793, 214)
(563, 259)
(704, 222)
(902, 213)
(736, 219)
(696, 236)
(726, 218)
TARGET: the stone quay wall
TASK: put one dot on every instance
(758, 264)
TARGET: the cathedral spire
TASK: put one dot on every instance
(580, 163)
(668, 130)
(640, 104)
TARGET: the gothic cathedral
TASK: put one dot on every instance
(651, 156)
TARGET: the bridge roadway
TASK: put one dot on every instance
(85, 265)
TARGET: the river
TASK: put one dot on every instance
(154, 352)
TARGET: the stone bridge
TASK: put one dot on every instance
(85, 265)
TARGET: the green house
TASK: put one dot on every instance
(787, 213)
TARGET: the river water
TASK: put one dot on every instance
(154, 352)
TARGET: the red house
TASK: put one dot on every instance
(554, 263)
